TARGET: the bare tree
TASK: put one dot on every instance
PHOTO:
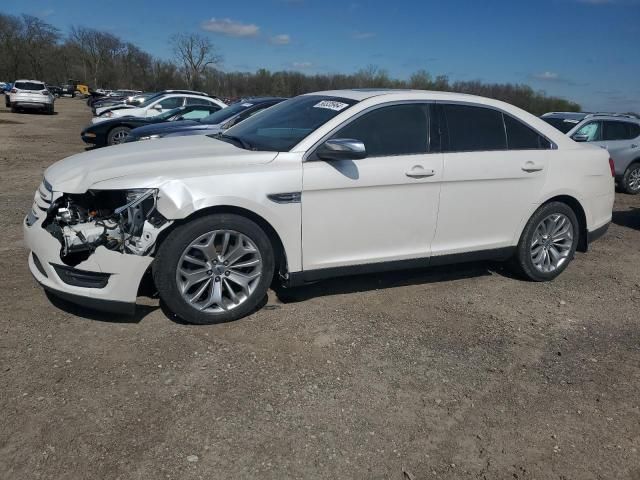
(11, 46)
(98, 49)
(195, 53)
(40, 39)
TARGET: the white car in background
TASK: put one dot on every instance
(30, 95)
(321, 185)
(159, 103)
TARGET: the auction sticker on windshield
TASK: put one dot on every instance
(331, 105)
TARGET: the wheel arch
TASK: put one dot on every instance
(276, 242)
(581, 215)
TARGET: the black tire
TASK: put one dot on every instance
(7, 103)
(634, 169)
(14, 109)
(114, 132)
(165, 266)
(522, 262)
(49, 110)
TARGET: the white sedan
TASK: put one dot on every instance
(159, 103)
(321, 185)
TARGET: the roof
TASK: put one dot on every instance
(613, 116)
(360, 94)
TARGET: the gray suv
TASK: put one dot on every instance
(620, 135)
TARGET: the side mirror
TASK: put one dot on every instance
(342, 149)
(158, 107)
(580, 138)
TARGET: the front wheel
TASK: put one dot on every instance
(118, 135)
(214, 269)
(631, 179)
(548, 242)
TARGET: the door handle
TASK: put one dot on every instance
(532, 167)
(418, 171)
(633, 145)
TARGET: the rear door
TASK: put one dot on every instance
(494, 171)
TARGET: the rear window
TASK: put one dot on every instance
(473, 128)
(29, 86)
(521, 137)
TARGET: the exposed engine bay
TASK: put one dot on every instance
(125, 221)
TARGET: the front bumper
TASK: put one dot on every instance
(91, 140)
(121, 288)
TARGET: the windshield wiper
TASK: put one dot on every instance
(240, 141)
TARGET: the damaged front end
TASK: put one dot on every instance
(125, 221)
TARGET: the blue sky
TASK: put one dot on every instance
(583, 50)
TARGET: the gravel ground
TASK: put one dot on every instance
(456, 372)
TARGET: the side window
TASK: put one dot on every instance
(171, 102)
(634, 130)
(392, 130)
(197, 101)
(473, 128)
(196, 114)
(521, 137)
(615, 131)
(591, 130)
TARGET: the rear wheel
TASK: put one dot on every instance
(214, 269)
(631, 179)
(118, 135)
(548, 242)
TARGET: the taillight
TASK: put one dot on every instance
(44, 92)
(13, 90)
(612, 166)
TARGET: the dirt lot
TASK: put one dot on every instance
(457, 372)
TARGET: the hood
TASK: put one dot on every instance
(150, 164)
(167, 127)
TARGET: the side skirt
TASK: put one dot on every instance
(296, 279)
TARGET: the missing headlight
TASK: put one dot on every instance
(121, 220)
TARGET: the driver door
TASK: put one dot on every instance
(382, 208)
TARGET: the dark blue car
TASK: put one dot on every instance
(214, 123)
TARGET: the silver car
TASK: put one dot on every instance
(620, 135)
(31, 95)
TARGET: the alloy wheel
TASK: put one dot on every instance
(218, 271)
(552, 242)
(120, 137)
(634, 180)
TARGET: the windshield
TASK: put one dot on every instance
(150, 100)
(168, 114)
(226, 113)
(283, 126)
(29, 86)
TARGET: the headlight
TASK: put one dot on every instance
(107, 114)
(150, 137)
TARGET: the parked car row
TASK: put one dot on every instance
(169, 113)
(321, 185)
